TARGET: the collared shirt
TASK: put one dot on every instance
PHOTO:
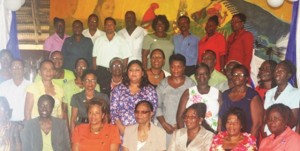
(54, 42)
(37, 89)
(73, 50)
(188, 47)
(15, 96)
(98, 33)
(290, 97)
(216, 43)
(216, 78)
(104, 50)
(134, 41)
(286, 141)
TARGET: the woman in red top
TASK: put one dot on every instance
(96, 135)
(240, 42)
(213, 41)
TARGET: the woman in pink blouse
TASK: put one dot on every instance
(234, 138)
(279, 119)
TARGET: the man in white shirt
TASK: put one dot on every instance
(93, 32)
(14, 90)
(133, 35)
(107, 47)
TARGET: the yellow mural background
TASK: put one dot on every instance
(67, 8)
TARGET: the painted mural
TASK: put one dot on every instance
(270, 26)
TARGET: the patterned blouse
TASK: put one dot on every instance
(248, 143)
(122, 103)
(211, 101)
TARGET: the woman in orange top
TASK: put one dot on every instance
(213, 41)
(96, 135)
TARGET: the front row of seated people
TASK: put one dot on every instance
(46, 132)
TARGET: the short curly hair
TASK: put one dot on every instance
(239, 113)
(163, 19)
(285, 112)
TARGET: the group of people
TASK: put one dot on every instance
(136, 91)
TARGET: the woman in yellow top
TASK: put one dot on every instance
(44, 86)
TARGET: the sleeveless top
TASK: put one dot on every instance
(211, 101)
(244, 104)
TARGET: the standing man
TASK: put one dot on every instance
(186, 44)
(133, 35)
(76, 46)
(93, 32)
(14, 90)
(55, 41)
(107, 47)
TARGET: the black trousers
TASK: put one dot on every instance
(104, 79)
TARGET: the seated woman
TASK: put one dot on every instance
(124, 97)
(203, 93)
(45, 132)
(61, 75)
(234, 138)
(197, 135)
(80, 100)
(266, 78)
(96, 135)
(5, 62)
(144, 136)
(41, 87)
(280, 119)
(9, 131)
(155, 72)
(244, 97)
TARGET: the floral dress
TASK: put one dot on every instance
(248, 143)
(211, 101)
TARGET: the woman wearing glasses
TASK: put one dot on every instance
(74, 86)
(80, 100)
(116, 68)
(240, 42)
(197, 135)
(244, 97)
(144, 136)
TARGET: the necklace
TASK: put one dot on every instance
(156, 76)
(96, 130)
(116, 83)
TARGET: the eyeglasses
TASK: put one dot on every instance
(90, 80)
(116, 66)
(238, 75)
(190, 117)
(81, 67)
(275, 119)
(56, 59)
(141, 112)
(16, 68)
